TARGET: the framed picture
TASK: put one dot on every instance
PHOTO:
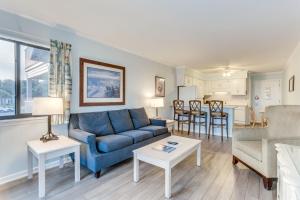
(159, 86)
(292, 84)
(101, 83)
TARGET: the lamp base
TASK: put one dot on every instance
(48, 137)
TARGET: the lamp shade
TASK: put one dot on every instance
(47, 106)
(157, 102)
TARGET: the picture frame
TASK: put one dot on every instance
(160, 86)
(101, 84)
(292, 84)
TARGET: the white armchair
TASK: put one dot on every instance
(255, 148)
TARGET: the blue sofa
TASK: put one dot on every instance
(109, 137)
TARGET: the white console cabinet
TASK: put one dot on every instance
(288, 172)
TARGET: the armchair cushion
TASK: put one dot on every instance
(112, 142)
(120, 120)
(251, 148)
(156, 130)
(137, 135)
(82, 136)
(97, 123)
(139, 117)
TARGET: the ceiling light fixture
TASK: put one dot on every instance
(226, 74)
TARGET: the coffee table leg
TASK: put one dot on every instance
(135, 168)
(168, 182)
(199, 155)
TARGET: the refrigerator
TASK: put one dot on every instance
(188, 93)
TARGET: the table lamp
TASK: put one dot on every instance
(47, 106)
(157, 103)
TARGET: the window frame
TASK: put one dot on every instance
(17, 46)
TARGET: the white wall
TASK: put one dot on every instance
(292, 68)
(140, 73)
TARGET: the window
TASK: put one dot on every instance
(23, 75)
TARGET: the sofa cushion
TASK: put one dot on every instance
(120, 120)
(96, 122)
(251, 148)
(139, 117)
(137, 135)
(112, 142)
(156, 130)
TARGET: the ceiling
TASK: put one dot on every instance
(257, 35)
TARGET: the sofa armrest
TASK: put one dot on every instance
(82, 136)
(158, 122)
(244, 134)
(85, 137)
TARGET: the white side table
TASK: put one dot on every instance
(52, 149)
(170, 123)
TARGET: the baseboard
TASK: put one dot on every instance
(24, 173)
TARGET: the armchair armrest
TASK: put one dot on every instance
(158, 122)
(269, 153)
(240, 134)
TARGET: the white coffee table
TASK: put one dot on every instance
(167, 161)
(52, 149)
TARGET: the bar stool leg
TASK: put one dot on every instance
(222, 126)
(181, 124)
(189, 122)
(178, 123)
(199, 126)
(213, 126)
(209, 127)
(227, 126)
(206, 124)
(194, 123)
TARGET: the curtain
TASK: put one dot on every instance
(60, 80)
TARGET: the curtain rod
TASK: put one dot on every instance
(24, 37)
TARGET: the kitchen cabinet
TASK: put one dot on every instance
(241, 115)
(188, 81)
(222, 85)
(200, 87)
(238, 87)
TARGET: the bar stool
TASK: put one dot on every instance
(182, 114)
(216, 113)
(196, 112)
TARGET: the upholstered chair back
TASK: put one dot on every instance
(283, 121)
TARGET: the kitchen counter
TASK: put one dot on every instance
(226, 108)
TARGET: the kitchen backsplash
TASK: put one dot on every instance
(231, 100)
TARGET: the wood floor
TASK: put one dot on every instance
(217, 179)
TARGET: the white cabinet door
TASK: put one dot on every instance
(238, 87)
(207, 88)
(188, 81)
(220, 85)
(180, 74)
(200, 87)
(240, 115)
